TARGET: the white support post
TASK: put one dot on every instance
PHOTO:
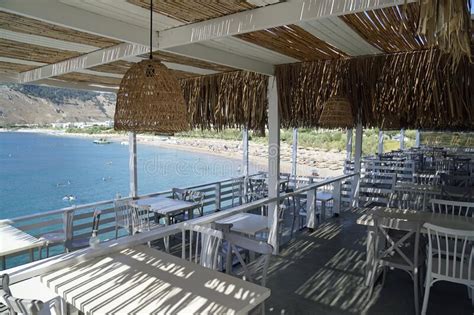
(357, 165)
(311, 209)
(402, 139)
(380, 147)
(418, 138)
(218, 191)
(294, 153)
(347, 162)
(132, 165)
(245, 160)
(273, 165)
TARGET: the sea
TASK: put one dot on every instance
(40, 172)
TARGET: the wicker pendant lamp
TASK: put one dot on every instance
(337, 113)
(150, 98)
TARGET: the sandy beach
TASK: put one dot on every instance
(325, 163)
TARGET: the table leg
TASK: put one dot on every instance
(323, 210)
(166, 240)
(369, 260)
(190, 214)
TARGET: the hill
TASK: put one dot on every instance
(30, 104)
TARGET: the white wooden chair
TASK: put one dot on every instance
(406, 199)
(18, 305)
(204, 245)
(444, 262)
(82, 242)
(401, 252)
(140, 218)
(452, 207)
(62, 236)
(123, 214)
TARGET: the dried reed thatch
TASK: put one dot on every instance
(447, 24)
(225, 100)
(337, 113)
(407, 90)
(150, 100)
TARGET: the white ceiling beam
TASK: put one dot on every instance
(202, 52)
(92, 59)
(284, 13)
(45, 41)
(75, 85)
(21, 61)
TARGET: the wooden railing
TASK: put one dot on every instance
(219, 195)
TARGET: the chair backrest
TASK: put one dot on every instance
(204, 245)
(452, 207)
(179, 193)
(426, 179)
(17, 305)
(140, 218)
(376, 188)
(197, 197)
(257, 269)
(122, 212)
(96, 222)
(450, 253)
(406, 199)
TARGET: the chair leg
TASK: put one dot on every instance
(416, 291)
(427, 294)
(372, 280)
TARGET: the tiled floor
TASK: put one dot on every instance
(322, 273)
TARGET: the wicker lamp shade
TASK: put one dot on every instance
(150, 99)
(337, 113)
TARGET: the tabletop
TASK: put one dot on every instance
(13, 240)
(401, 219)
(324, 196)
(142, 280)
(246, 223)
(165, 205)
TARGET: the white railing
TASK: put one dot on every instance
(219, 195)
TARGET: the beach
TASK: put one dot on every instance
(310, 161)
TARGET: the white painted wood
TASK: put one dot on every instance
(205, 53)
(273, 164)
(218, 195)
(92, 59)
(402, 139)
(349, 144)
(337, 33)
(245, 160)
(357, 165)
(380, 143)
(13, 240)
(75, 85)
(311, 209)
(418, 138)
(246, 49)
(187, 288)
(21, 61)
(246, 223)
(45, 41)
(101, 74)
(294, 153)
(124, 11)
(284, 13)
(132, 166)
(167, 206)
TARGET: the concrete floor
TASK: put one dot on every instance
(322, 273)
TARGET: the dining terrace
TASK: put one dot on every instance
(392, 234)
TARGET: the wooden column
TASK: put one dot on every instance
(245, 160)
(357, 165)
(273, 164)
(380, 146)
(132, 163)
(294, 153)
(402, 139)
(418, 138)
(349, 145)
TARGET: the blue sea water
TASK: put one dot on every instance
(38, 170)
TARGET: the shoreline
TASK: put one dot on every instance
(329, 163)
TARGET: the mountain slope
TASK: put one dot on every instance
(29, 104)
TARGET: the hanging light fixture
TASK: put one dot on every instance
(337, 113)
(150, 98)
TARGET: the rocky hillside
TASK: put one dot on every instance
(29, 104)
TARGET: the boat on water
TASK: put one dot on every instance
(101, 141)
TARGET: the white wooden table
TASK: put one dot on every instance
(403, 220)
(13, 240)
(142, 280)
(168, 207)
(246, 223)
